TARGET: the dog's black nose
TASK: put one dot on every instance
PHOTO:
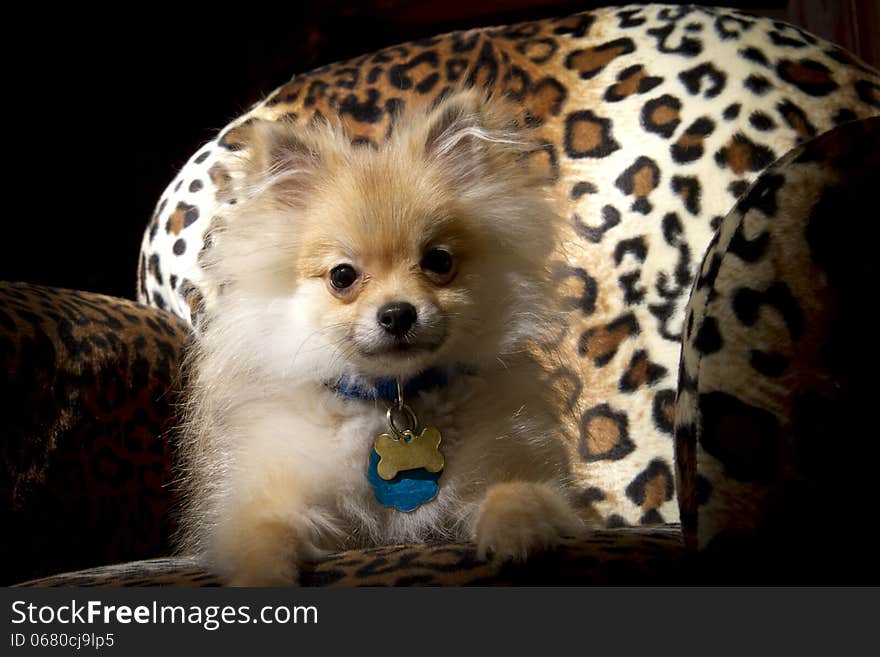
(397, 317)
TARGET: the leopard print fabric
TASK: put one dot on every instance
(775, 413)
(85, 407)
(607, 557)
(652, 121)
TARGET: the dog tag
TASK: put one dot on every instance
(404, 471)
(409, 452)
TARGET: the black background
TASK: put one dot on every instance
(103, 108)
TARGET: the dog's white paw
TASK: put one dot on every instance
(279, 573)
(258, 554)
(519, 519)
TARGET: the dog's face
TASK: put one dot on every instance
(385, 262)
(399, 275)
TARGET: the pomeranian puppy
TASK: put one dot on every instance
(364, 375)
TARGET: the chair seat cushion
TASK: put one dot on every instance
(645, 555)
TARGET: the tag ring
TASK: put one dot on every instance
(404, 408)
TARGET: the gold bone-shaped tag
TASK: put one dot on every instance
(397, 455)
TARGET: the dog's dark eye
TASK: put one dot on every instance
(342, 276)
(437, 261)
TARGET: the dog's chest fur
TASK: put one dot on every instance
(359, 422)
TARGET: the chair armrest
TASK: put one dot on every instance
(774, 443)
(87, 403)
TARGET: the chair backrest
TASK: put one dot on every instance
(653, 121)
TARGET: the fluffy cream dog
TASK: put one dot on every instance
(341, 268)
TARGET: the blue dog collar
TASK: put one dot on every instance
(386, 389)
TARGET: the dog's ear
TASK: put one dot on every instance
(277, 145)
(284, 158)
(470, 132)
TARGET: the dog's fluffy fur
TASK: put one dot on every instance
(272, 462)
